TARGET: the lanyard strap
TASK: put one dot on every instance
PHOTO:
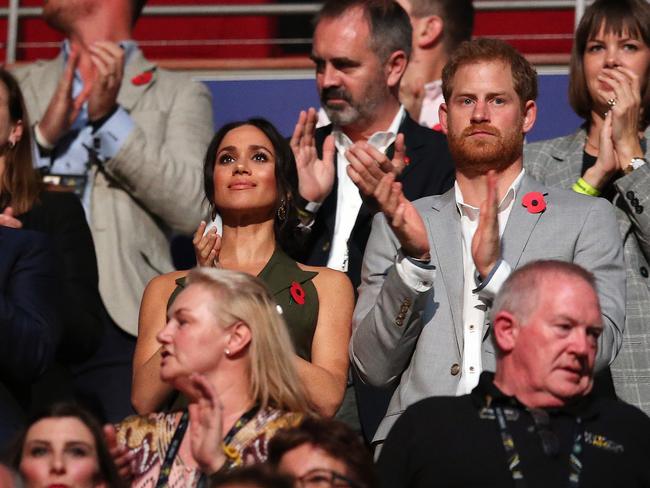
(175, 444)
(230, 452)
(514, 460)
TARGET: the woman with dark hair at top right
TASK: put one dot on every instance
(607, 157)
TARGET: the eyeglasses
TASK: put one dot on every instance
(550, 442)
(325, 478)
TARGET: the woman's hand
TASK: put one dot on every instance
(206, 246)
(206, 414)
(607, 163)
(7, 219)
(625, 112)
(122, 457)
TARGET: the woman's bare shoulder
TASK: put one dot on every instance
(165, 282)
(329, 279)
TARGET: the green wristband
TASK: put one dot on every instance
(581, 186)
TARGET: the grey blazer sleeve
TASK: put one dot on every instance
(599, 249)
(388, 317)
(634, 189)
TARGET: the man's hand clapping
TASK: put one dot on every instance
(315, 176)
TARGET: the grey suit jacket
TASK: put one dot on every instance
(152, 187)
(558, 163)
(416, 338)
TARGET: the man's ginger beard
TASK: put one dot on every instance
(475, 156)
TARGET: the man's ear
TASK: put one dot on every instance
(427, 31)
(240, 337)
(395, 67)
(442, 115)
(506, 330)
(530, 115)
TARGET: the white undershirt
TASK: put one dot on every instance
(476, 303)
(348, 198)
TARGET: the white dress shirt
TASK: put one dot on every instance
(348, 198)
(476, 303)
(477, 297)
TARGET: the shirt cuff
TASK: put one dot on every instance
(110, 137)
(418, 277)
(490, 286)
(42, 157)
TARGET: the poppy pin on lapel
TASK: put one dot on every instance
(297, 293)
(143, 78)
(534, 202)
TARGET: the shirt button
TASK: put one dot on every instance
(326, 246)
(471, 369)
(638, 209)
(471, 327)
(644, 271)
(630, 195)
(455, 369)
(634, 202)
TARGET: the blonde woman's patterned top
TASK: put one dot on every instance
(148, 437)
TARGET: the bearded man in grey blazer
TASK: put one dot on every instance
(432, 267)
(130, 139)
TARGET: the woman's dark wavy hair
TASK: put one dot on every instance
(286, 178)
(616, 16)
(107, 470)
(334, 437)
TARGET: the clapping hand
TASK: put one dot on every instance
(108, 60)
(368, 165)
(619, 134)
(402, 217)
(206, 416)
(486, 245)
(315, 176)
(122, 457)
(206, 246)
(63, 109)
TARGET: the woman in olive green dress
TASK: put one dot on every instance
(250, 179)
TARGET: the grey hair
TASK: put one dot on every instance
(390, 27)
(520, 293)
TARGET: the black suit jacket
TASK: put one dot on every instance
(429, 172)
(29, 319)
(61, 216)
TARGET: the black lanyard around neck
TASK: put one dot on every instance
(514, 460)
(179, 433)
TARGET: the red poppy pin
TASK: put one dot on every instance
(437, 128)
(534, 202)
(143, 78)
(407, 160)
(297, 293)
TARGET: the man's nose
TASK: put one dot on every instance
(481, 112)
(580, 343)
(330, 76)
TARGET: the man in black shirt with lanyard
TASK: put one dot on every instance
(533, 423)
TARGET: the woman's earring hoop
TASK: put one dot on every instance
(282, 210)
